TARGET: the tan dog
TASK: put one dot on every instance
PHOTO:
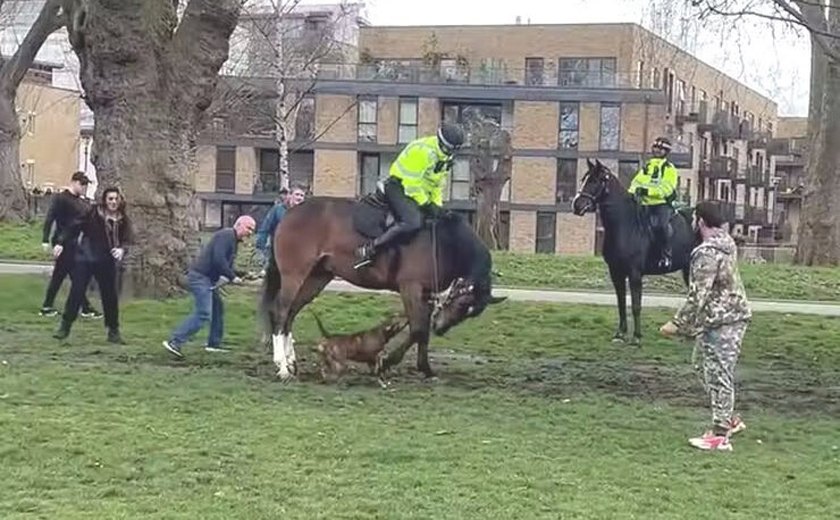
(362, 347)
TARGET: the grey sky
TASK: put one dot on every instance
(769, 58)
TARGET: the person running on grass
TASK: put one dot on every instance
(211, 269)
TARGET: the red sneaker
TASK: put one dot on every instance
(710, 441)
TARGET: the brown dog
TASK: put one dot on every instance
(362, 347)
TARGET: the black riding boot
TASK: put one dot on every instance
(364, 255)
(665, 256)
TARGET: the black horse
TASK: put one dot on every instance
(629, 248)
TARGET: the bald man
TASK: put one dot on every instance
(211, 269)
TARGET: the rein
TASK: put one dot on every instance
(435, 300)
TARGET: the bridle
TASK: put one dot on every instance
(602, 189)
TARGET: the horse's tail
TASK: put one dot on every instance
(321, 328)
(271, 288)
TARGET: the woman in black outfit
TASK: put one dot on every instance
(102, 234)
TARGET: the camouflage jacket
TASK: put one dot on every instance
(716, 295)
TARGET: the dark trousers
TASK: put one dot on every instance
(407, 213)
(659, 217)
(105, 273)
(62, 269)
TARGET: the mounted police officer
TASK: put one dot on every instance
(655, 188)
(415, 186)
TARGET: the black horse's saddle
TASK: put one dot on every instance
(371, 215)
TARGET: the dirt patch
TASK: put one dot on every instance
(785, 390)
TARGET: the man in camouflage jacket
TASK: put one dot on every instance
(716, 312)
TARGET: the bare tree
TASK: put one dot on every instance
(149, 76)
(819, 232)
(490, 163)
(283, 52)
(13, 204)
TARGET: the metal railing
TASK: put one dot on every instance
(495, 74)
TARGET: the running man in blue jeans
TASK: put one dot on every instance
(211, 269)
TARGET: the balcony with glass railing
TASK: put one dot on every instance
(493, 74)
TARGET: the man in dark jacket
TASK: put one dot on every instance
(103, 234)
(66, 207)
(212, 268)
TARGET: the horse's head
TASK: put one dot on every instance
(594, 188)
(464, 299)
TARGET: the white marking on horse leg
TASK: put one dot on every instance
(289, 347)
(280, 356)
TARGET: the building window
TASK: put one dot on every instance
(464, 112)
(654, 79)
(566, 184)
(460, 180)
(504, 230)
(269, 180)
(586, 72)
(681, 108)
(534, 71)
(640, 75)
(367, 120)
(569, 125)
(301, 168)
(305, 119)
(407, 120)
(226, 168)
(610, 126)
(370, 172)
(546, 232)
(626, 171)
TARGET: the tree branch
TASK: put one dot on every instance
(326, 128)
(813, 18)
(201, 45)
(49, 20)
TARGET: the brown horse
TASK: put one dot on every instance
(315, 242)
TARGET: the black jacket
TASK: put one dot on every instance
(96, 235)
(64, 210)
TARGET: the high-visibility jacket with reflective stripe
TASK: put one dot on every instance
(660, 177)
(422, 167)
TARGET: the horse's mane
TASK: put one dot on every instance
(471, 256)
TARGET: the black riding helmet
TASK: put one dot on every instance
(662, 142)
(450, 137)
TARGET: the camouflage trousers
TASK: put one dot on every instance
(715, 356)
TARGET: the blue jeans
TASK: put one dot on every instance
(208, 307)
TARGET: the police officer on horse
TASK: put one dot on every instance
(415, 186)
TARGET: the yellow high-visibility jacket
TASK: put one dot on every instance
(422, 167)
(660, 177)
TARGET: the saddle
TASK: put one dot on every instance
(371, 215)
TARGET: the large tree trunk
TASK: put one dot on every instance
(148, 85)
(488, 184)
(13, 203)
(819, 228)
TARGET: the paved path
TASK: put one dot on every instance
(536, 295)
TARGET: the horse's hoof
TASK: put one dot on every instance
(619, 339)
(285, 375)
(636, 342)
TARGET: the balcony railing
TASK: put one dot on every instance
(727, 209)
(798, 147)
(719, 168)
(406, 71)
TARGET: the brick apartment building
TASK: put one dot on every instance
(788, 151)
(565, 92)
(50, 130)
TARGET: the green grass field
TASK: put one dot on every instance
(785, 282)
(535, 415)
